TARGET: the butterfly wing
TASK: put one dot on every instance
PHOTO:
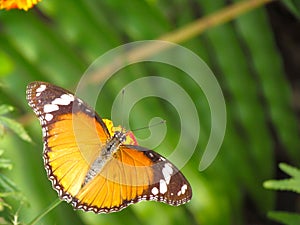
(73, 135)
(134, 174)
(167, 184)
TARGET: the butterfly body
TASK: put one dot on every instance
(94, 167)
(107, 152)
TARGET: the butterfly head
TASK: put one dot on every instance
(120, 136)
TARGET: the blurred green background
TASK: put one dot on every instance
(255, 58)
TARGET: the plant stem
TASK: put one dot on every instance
(180, 35)
(222, 16)
(45, 212)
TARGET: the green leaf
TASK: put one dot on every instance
(5, 109)
(291, 184)
(15, 127)
(285, 217)
(290, 170)
(5, 164)
(6, 64)
(283, 185)
(293, 6)
(7, 187)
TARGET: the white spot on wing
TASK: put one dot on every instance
(44, 130)
(154, 191)
(167, 172)
(50, 108)
(162, 186)
(183, 188)
(41, 88)
(64, 99)
(48, 117)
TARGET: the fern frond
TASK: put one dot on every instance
(290, 184)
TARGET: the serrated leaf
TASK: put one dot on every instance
(5, 109)
(285, 217)
(15, 127)
(290, 170)
(291, 184)
(283, 185)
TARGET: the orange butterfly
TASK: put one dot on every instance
(95, 166)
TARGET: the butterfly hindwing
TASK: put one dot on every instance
(133, 175)
(167, 184)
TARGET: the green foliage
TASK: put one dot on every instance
(285, 217)
(6, 64)
(5, 163)
(5, 109)
(7, 187)
(58, 40)
(293, 6)
(7, 123)
(291, 184)
(8, 190)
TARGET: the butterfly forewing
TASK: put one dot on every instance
(72, 135)
(76, 139)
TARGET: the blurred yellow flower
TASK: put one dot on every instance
(130, 138)
(18, 4)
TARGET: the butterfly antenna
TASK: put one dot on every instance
(152, 125)
(122, 108)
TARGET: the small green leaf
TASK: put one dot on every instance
(7, 187)
(283, 185)
(5, 164)
(291, 184)
(5, 109)
(290, 170)
(15, 127)
(285, 217)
